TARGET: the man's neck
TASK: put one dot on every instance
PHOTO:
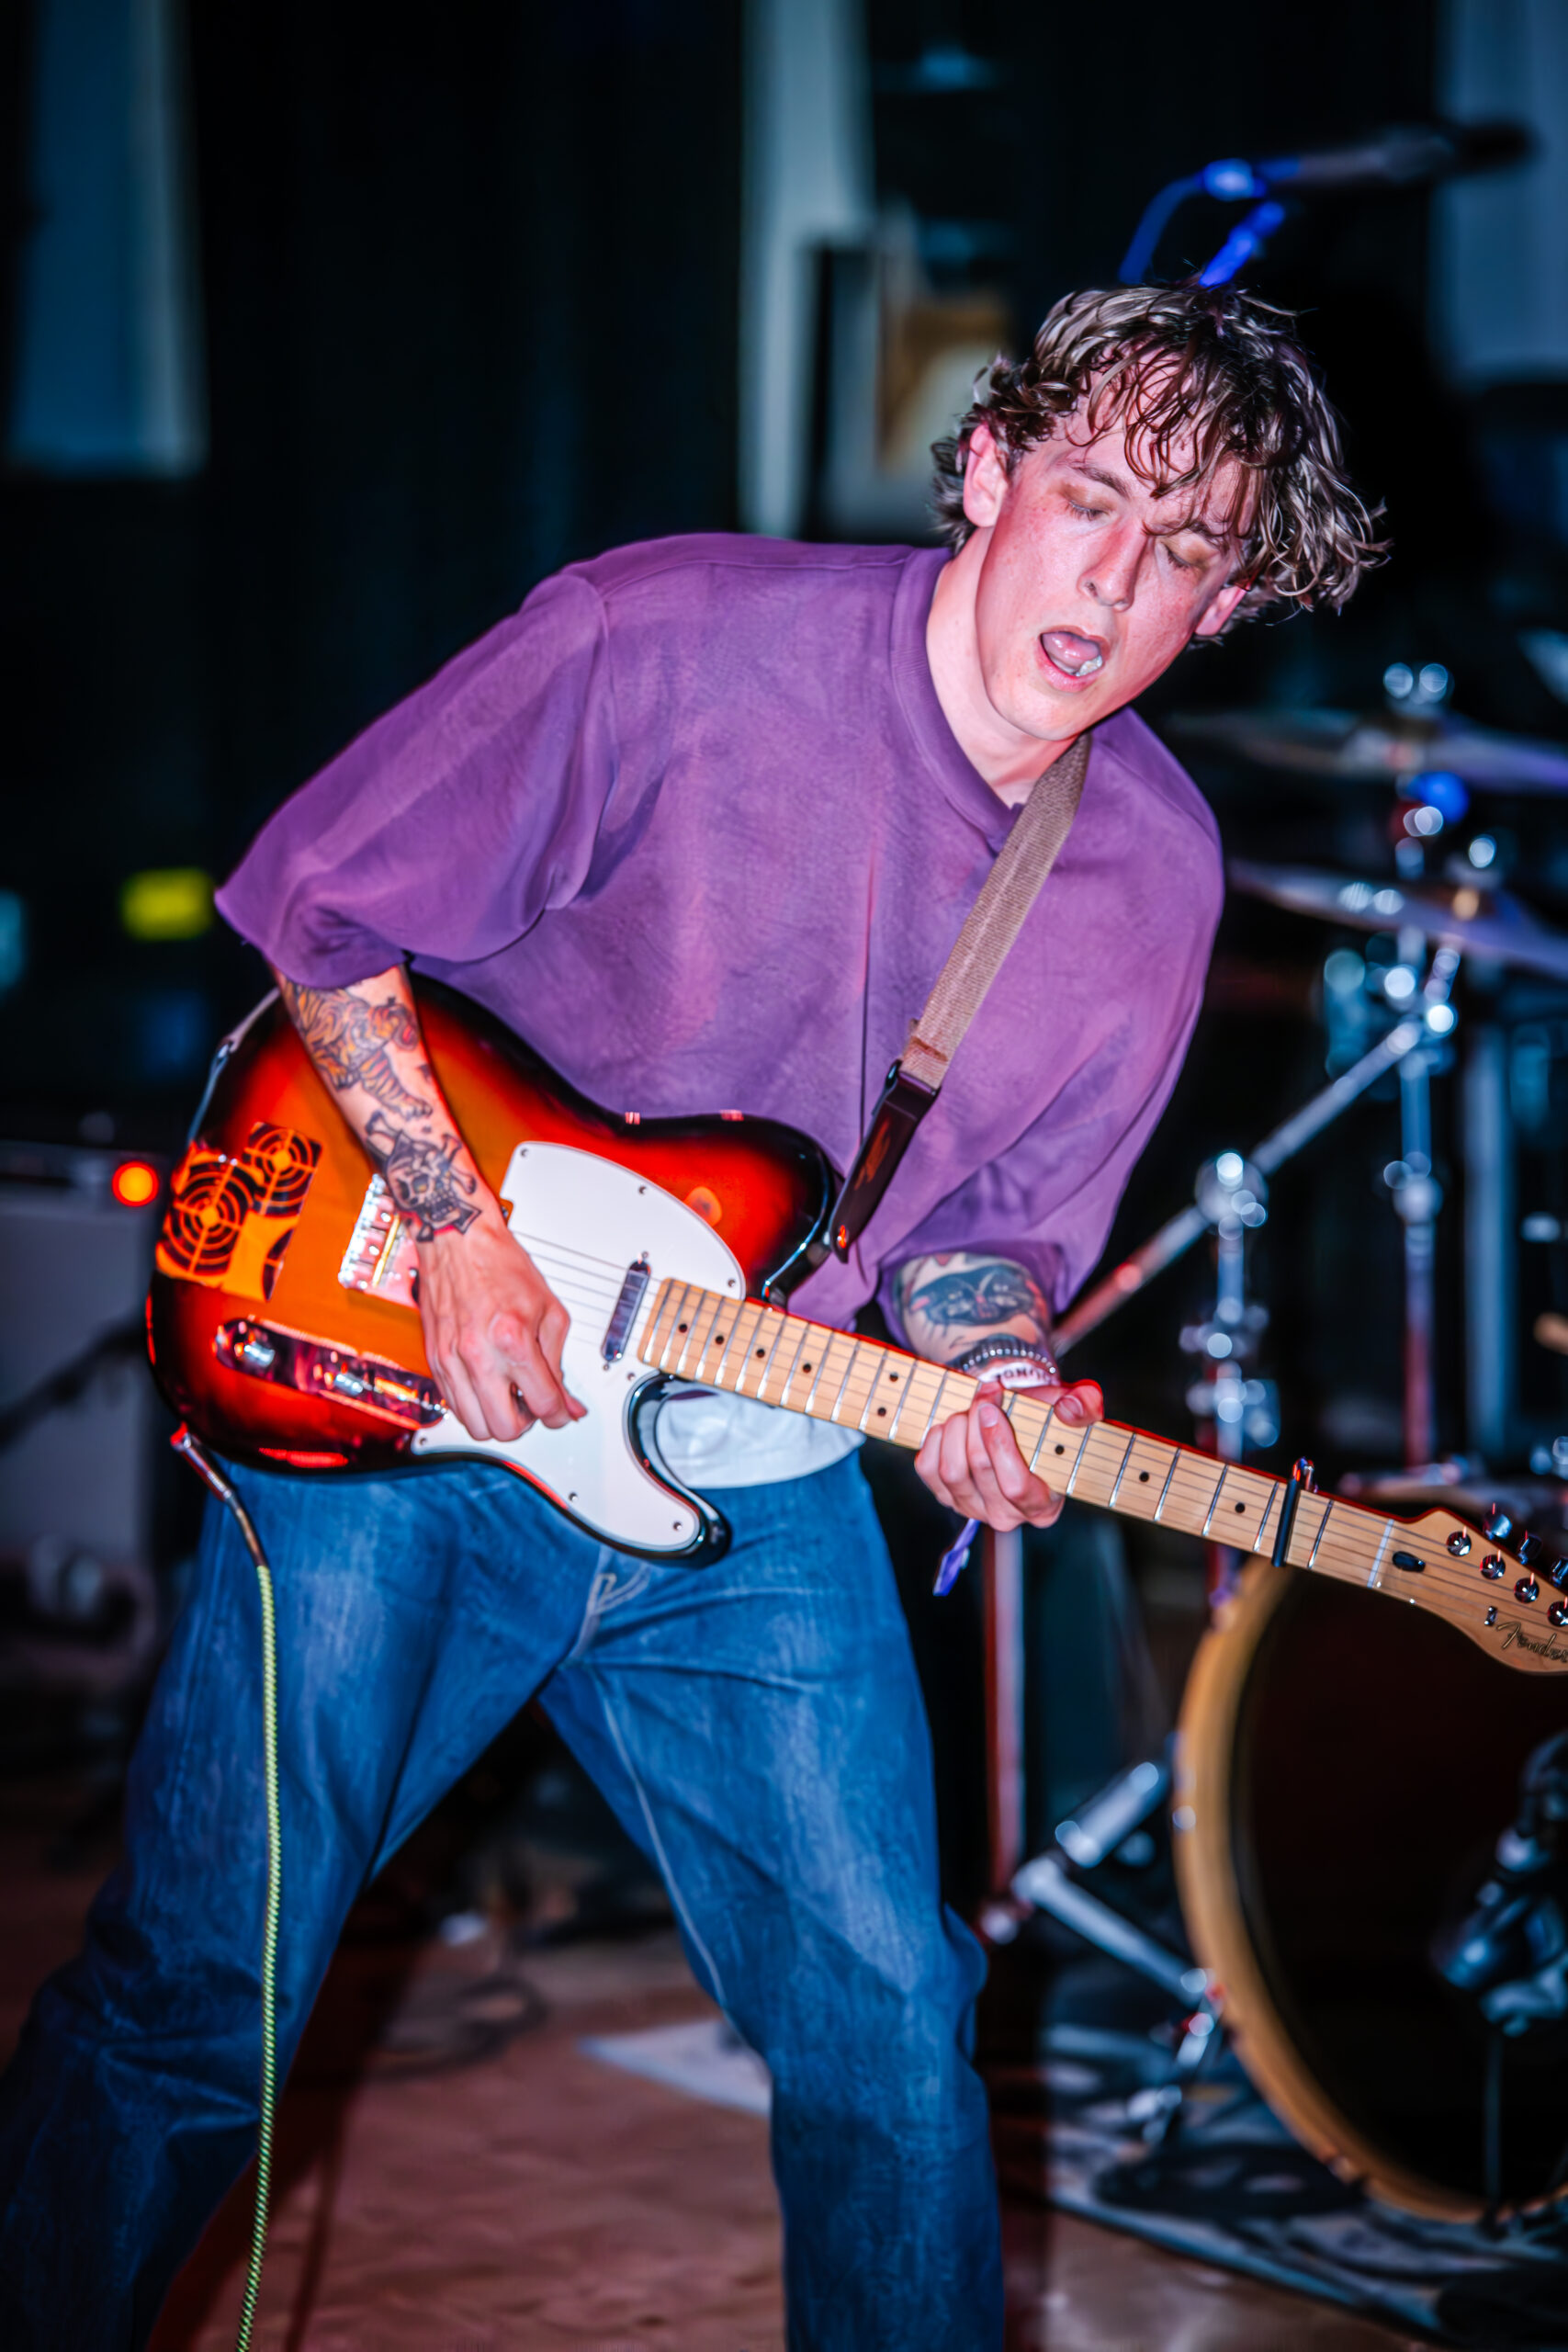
(1008, 758)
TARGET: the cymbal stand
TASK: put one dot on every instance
(1418, 1198)
(1176, 1236)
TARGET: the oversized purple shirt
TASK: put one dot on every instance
(693, 822)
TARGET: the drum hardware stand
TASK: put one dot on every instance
(1510, 1950)
(1111, 1820)
(1233, 1195)
(1176, 1237)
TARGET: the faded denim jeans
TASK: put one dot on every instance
(759, 1729)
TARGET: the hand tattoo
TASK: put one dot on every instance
(992, 1291)
(350, 1041)
(422, 1178)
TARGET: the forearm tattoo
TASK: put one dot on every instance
(968, 1296)
(351, 1041)
(422, 1176)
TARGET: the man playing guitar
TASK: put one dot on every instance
(701, 823)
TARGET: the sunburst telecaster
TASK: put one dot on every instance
(284, 1326)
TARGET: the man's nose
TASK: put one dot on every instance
(1111, 577)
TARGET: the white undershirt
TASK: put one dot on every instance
(708, 1439)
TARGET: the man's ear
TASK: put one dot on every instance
(985, 477)
(1222, 609)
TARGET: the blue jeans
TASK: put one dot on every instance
(757, 1726)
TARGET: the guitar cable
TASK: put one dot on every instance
(208, 1472)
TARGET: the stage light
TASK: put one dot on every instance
(134, 1183)
(1482, 850)
(1398, 983)
(1441, 1018)
(167, 902)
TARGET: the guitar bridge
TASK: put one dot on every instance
(315, 1368)
(380, 1257)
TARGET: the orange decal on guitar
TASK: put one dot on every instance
(221, 1225)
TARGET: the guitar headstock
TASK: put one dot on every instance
(1504, 1587)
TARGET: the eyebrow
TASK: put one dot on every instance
(1166, 530)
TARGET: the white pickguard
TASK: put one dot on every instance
(584, 1221)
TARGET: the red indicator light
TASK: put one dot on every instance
(134, 1183)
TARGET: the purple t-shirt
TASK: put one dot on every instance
(694, 824)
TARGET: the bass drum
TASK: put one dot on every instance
(1344, 1766)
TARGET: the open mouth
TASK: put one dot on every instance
(1072, 655)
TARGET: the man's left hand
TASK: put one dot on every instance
(972, 1462)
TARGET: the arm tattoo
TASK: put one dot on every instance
(350, 1042)
(422, 1177)
(993, 1292)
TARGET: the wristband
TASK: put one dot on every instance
(1015, 1363)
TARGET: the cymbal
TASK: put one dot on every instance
(1384, 747)
(1459, 914)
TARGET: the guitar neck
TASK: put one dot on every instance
(756, 1351)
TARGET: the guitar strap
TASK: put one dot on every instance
(989, 928)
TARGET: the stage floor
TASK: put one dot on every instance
(539, 2200)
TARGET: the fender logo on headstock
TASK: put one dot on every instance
(229, 1219)
(1513, 1631)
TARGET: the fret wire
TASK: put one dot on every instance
(680, 1308)
(1078, 1458)
(717, 1375)
(1322, 1524)
(1121, 1472)
(908, 1392)
(1044, 1433)
(696, 1349)
(941, 1391)
(738, 1380)
(1169, 1474)
(822, 1355)
(804, 1335)
(778, 1342)
(845, 1382)
(876, 1384)
(1275, 1491)
(653, 1347)
(1383, 1547)
(1215, 1500)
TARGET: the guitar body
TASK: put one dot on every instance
(283, 1320)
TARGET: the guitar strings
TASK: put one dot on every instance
(575, 1277)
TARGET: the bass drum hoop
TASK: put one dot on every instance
(1207, 1882)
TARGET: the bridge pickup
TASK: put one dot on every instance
(633, 1287)
(315, 1368)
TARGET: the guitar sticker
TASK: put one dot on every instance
(221, 1227)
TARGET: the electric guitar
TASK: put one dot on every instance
(284, 1326)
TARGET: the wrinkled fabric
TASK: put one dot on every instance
(693, 822)
(416, 1615)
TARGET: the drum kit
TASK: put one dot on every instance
(1368, 1823)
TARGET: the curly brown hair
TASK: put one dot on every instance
(1208, 367)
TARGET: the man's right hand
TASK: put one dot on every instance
(493, 1327)
(494, 1330)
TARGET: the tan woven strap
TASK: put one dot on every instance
(997, 916)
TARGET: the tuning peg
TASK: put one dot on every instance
(1499, 1526)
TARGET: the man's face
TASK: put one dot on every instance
(1088, 585)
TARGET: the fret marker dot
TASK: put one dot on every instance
(1143, 1478)
(763, 1352)
(1241, 1506)
(882, 1412)
(805, 1367)
(680, 1327)
(1061, 1449)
